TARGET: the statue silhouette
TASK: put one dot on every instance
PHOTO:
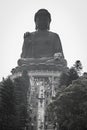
(42, 42)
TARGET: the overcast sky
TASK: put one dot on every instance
(69, 20)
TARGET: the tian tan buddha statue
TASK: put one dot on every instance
(41, 45)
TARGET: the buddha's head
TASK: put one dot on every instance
(42, 19)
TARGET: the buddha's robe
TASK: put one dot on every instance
(40, 44)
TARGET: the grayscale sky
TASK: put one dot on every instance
(69, 20)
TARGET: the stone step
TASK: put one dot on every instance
(50, 127)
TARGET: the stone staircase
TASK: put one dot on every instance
(50, 127)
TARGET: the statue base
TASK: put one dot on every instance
(40, 64)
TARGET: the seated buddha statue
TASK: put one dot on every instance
(42, 43)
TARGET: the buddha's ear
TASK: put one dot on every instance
(27, 34)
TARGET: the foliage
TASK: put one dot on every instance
(67, 78)
(21, 89)
(7, 105)
(13, 103)
(69, 110)
(78, 66)
(73, 74)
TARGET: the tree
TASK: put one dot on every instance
(7, 105)
(67, 78)
(13, 103)
(64, 79)
(21, 89)
(73, 75)
(78, 66)
(70, 107)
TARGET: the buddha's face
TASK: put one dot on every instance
(42, 23)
